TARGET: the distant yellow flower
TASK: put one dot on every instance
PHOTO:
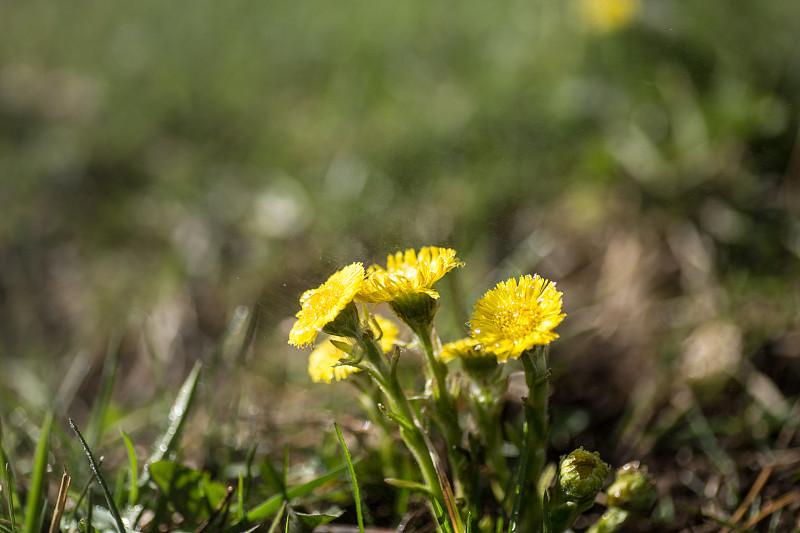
(476, 361)
(323, 364)
(408, 273)
(321, 305)
(608, 15)
(514, 317)
(466, 348)
(389, 330)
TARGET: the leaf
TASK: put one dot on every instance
(342, 346)
(356, 494)
(178, 414)
(133, 495)
(191, 492)
(94, 427)
(305, 523)
(409, 485)
(36, 495)
(120, 525)
(271, 506)
(272, 478)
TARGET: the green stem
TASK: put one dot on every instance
(485, 407)
(436, 372)
(446, 412)
(611, 521)
(412, 435)
(534, 362)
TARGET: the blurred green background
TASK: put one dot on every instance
(169, 167)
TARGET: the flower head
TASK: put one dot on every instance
(408, 272)
(633, 488)
(322, 305)
(515, 316)
(477, 362)
(466, 348)
(608, 15)
(407, 283)
(324, 366)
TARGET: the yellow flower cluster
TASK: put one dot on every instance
(405, 274)
(513, 317)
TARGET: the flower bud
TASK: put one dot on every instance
(633, 488)
(475, 361)
(581, 475)
(416, 309)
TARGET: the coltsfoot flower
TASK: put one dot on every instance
(466, 348)
(515, 316)
(608, 15)
(408, 272)
(475, 360)
(407, 283)
(322, 305)
(324, 366)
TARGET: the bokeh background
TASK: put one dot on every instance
(172, 172)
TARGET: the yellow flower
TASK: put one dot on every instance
(324, 360)
(321, 305)
(408, 273)
(323, 364)
(514, 317)
(466, 348)
(389, 331)
(474, 359)
(608, 15)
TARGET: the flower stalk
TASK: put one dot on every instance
(412, 434)
(537, 376)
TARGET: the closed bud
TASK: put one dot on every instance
(633, 488)
(581, 475)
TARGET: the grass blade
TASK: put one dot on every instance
(83, 494)
(10, 494)
(7, 482)
(94, 428)
(35, 502)
(356, 494)
(133, 495)
(240, 498)
(246, 482)
(109, 498)
(178, 415)
(89, 509)
(271, 506)
(277, 520)
(513, 522)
